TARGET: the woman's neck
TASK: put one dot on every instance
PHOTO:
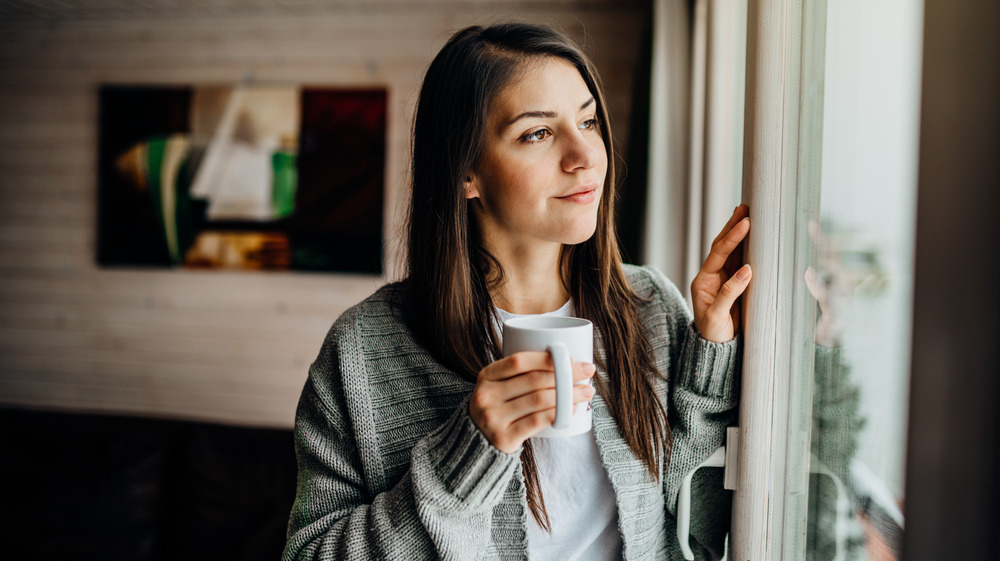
(532, 280)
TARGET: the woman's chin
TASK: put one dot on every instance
(576, 236)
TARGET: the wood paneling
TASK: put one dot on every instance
(227, 347)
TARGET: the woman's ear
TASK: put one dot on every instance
(471, 186)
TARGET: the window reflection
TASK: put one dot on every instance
(861, 278)
(837, 421)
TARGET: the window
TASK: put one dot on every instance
(829, 173)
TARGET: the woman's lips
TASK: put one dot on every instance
(582, 197)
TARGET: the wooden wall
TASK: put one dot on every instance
(226, 347)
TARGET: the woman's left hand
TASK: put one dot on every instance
(721, 281)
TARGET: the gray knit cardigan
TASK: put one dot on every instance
(392, 467)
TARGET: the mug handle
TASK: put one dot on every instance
(564, 385)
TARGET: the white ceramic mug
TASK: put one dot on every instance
(568, 340)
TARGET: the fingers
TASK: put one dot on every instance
(730, 291)
(538, 411)
(716, 316)
(742, 211)
(528, 361)
(818, 289)
(541, 401)
(517, 364)
(507, 394)
(723, 247)
(535, 380)
(813, 284)
(509, 424)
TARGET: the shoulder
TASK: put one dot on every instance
(378, 314)
(376, 325)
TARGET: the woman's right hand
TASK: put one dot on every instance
(515, 397)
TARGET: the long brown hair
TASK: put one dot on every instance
(450, 273)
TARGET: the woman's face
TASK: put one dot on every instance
(540, 177)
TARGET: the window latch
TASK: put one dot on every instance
(726, 457)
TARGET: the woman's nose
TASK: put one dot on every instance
(580, 152)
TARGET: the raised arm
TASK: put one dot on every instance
(704, 389)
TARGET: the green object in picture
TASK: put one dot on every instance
(285, 179)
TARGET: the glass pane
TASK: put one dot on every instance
(854, 245)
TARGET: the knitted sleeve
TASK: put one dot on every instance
(703, 400)
(836, 421)
(440, 508)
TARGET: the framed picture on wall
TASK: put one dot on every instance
(246, 177)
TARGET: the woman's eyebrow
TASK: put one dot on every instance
(532, 114)
(544, 114)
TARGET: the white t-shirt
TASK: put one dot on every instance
(578, 495)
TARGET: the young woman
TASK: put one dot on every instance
(414, 436)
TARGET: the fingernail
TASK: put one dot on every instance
(588, 391)
(744, 272)
(589, 369)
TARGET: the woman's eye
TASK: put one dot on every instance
(536, 136)
(589, 124)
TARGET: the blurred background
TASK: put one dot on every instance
(222, 346)
(147, 391)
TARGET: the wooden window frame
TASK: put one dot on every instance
(780, 183)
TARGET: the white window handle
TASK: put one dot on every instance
(724, 457)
